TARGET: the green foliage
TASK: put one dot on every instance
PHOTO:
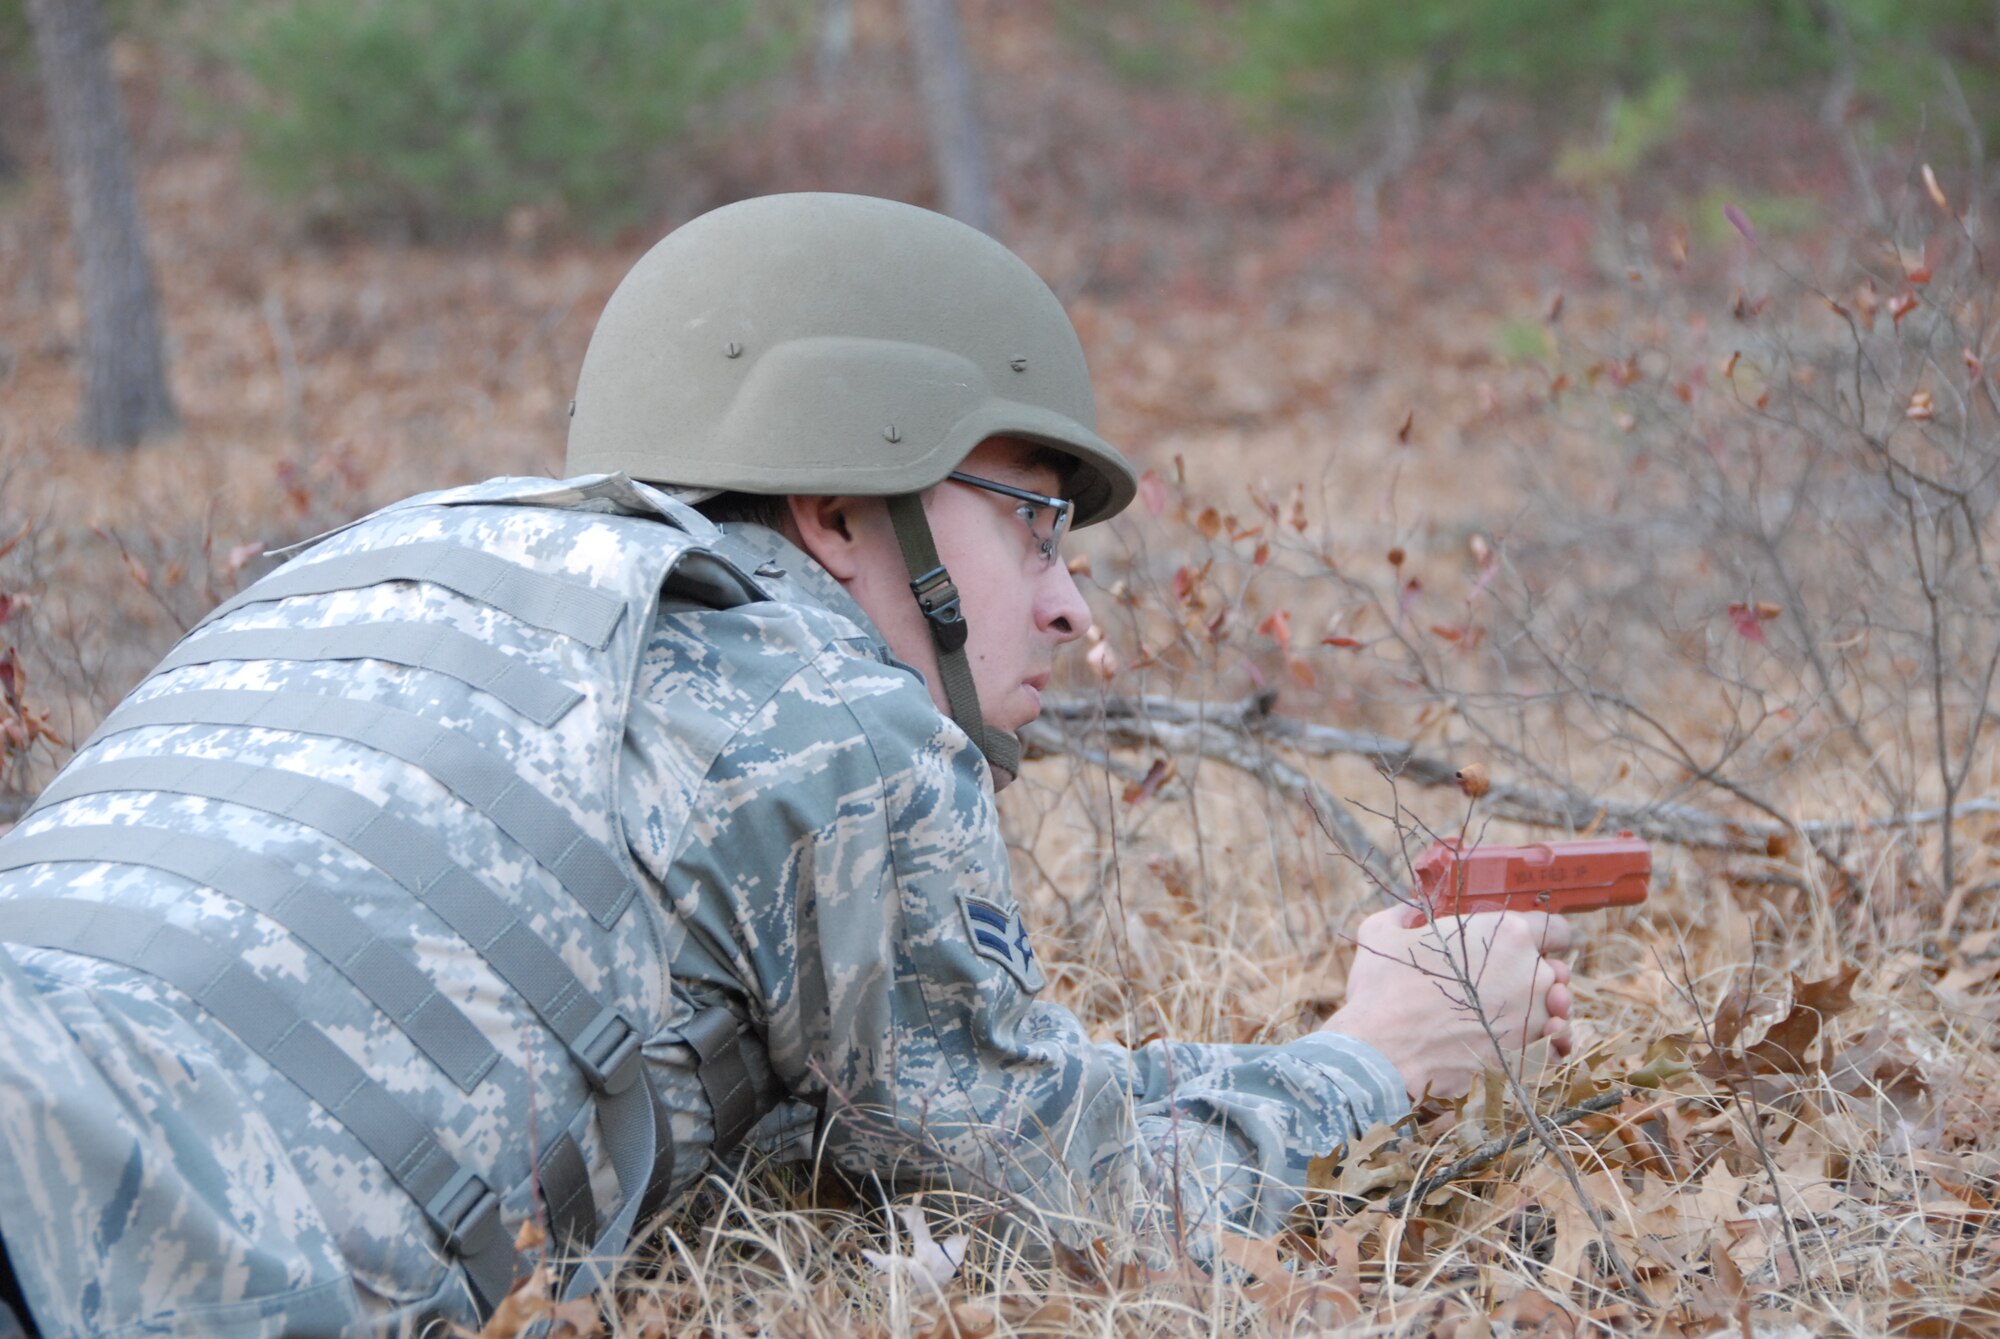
(1908, 55)
(1154, 42)
(1518, 341)
(16, 43)
(1775, 217)
(1323, 56)
(446, 114)
(1324, 62)
(1633, 128)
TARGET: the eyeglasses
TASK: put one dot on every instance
(1047, 518)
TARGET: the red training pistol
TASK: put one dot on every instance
(1570, 876)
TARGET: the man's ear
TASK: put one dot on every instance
(828, 529)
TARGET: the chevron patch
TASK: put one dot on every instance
(1002, 935)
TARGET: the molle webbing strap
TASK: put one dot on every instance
(734, 1101)
(485, 782)
(601, 1040)
(938, 598)
(567, 1200)
(381, 973)
(425, 646)
(556, 604)
(459, 1205)
(644, 1164)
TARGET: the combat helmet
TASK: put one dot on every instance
(841, 344)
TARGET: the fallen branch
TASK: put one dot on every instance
(1241, 734)
(1493, 1150)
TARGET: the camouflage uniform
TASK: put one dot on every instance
(734, 804)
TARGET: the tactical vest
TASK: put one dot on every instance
(387, 811)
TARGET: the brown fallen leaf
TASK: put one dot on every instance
(1283, 1294)
(964, 1320)
(1536, 1313)
(528, 1304)
(1784, 1046)
(1161, 772)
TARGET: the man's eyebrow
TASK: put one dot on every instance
(1043, 458)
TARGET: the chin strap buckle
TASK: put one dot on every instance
(938, 598)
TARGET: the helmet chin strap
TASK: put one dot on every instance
(938, 598)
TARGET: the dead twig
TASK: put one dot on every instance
(1240, 734)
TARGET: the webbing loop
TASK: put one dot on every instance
(642, 1157)
(607, 1051)
(465, 1212)
(569, 1203)
(735, 1101)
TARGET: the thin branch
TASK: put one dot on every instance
(1239, 735)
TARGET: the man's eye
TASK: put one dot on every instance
(1042, 530)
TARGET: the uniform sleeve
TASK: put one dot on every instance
(844, 869)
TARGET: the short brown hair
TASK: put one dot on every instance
(769, 510)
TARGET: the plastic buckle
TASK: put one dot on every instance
(464, 1211)
(947, 620)
(608, 1052)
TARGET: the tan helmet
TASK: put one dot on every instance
(840, 344)
(833, 344)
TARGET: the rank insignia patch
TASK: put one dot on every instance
(1002, 936)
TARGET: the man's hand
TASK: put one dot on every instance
(1417, 992)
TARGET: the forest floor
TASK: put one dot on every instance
(1440, 479)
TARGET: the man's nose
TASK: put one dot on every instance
(1060, 609)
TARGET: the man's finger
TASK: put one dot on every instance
(1554, 934)
(1559, 1001)
(1545, 931)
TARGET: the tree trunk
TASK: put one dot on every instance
(951, 110)
(836, 39)
(125, 395)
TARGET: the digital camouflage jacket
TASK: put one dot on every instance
(461, 869)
